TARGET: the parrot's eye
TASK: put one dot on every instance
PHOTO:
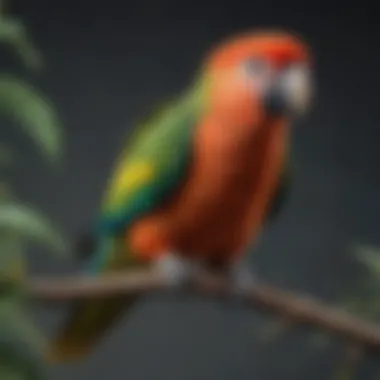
(255, 67)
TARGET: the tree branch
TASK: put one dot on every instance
(300, 310)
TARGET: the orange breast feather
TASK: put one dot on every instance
(220, 207)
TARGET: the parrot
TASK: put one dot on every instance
(197, 181)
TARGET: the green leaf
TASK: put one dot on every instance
(9, 373)
(370, 257)
(14, 34)
(12, 265)
(22, 347)
(28, 223)
(18, 323)
(24, 104)
(356, 304)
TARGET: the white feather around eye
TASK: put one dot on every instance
(296, 82)
(296, 77)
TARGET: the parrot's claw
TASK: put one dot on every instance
(241, 280)
(176, 271)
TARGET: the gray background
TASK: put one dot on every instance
(108, 62)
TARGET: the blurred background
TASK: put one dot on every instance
(107, 63)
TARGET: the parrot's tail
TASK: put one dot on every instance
(87, 325)
(90, 319)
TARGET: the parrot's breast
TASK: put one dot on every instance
(223, 202)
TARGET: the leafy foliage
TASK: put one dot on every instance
(366, 302)
(21, 345)
(16, 218)
(14, 34)
(363, 302)
(21, 102)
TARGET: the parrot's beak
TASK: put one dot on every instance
(275, 101)
(286, 98)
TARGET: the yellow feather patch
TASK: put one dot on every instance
(129, 177)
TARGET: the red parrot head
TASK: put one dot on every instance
(269, 69)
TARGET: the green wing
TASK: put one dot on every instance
(148, 170)
(147, 173)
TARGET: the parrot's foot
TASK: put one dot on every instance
(178, 272)
(241, 279)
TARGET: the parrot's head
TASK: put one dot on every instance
(267, 70)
